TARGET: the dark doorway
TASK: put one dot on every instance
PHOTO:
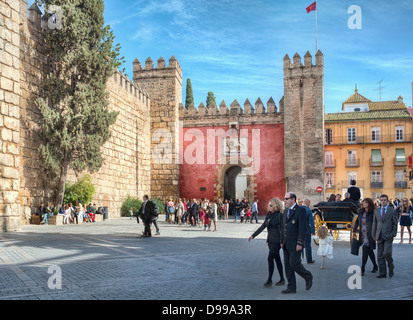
(235, 183)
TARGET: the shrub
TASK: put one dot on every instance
(130, 202)
(82, 190)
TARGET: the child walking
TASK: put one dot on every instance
(325, 247)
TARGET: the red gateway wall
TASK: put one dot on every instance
(269, 178)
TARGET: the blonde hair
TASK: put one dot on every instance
(408, 204)
(277, 204)
(322, 232)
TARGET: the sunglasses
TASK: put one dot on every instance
(287, 198)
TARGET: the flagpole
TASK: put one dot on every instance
(316, 27)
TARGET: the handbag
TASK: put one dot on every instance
(355, 247)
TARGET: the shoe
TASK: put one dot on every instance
(268, 284)
(309, 283)
(158, 234)
(280, 283)
(381, 276)
(311, 262)
(286, 291)
(391, 273)
(374, 269)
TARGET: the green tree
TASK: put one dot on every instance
(189, 94)
(210, 99)
(75, 120)
(83, 190)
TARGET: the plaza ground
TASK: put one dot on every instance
(109, 261)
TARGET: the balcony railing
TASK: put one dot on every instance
(400, 184)
(377, 163)
(376, 185)
(352, 163)
(400, 163)
(346, 184)
(391, 138)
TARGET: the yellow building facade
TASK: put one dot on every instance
(369, 142)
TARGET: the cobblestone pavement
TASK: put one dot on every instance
(108, 260)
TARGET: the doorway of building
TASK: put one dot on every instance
(235, 183)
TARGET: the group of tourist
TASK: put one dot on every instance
(78, 213)
(204, 212)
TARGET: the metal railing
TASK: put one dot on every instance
(390, 138)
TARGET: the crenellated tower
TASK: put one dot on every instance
(303, 125)
(164, 86)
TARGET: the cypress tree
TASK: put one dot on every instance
(75, 120)
(210, 98)
(189, 94)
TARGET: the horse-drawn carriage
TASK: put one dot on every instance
(336, 216)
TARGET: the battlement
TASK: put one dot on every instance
(319, 61)
(161, 68)
(130, 87)
(223, 112)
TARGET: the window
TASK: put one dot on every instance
(400, 176)
(351, 157)
(329, 179)
(351, 135)
(375, 134)
(376, 176)
(400, 195)
(329, 159)
(400, 157)
(329, 136)
(351, 176)
(399, 133)
(375, 155)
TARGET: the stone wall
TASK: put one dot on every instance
(303, 125)
(126, 168)
(9, 115)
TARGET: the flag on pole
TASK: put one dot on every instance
(312, 7)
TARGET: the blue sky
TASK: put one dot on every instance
(235, 48)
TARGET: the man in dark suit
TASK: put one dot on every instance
(354, 191)
(292, 241)
(383, 231)
(193, 209)
(147, 212)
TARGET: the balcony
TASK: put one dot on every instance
(346, 184)
(390, 138)
(352, 163)
(377, 163)
(400, 185)
(329, 186)
(376, 185)
(399, 163)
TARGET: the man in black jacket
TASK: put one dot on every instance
(292, 241)
(148, 211)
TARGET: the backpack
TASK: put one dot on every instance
(171, 209)
(155, 209)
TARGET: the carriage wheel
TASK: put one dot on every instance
(317, 223)
(352, 233)
(336, 233)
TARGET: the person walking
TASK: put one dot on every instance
(254, 210)
(384, 230)
(273, 222)
(309, 232)
(406, 211)
(364, 224)
(293, 232)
